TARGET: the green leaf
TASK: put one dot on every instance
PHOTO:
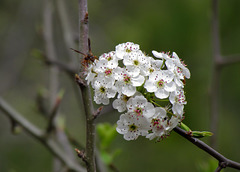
(106, 157)
(107, 134)
(200, 134)
(185, 127)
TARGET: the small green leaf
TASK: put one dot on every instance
(185, 127)
(200, 134)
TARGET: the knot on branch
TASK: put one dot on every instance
(79, 81)
(97, 112)
(85, 20)
(81, 154)
(223, 164)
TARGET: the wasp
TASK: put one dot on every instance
(88, 58)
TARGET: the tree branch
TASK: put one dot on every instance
(231, 59)
(217, 58)
(63, 66)
(223, 161)
(86, 92)
(218, 63)
(39, 135)
(67, 30)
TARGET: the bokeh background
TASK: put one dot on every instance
(181, 26)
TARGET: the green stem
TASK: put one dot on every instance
(163, 64)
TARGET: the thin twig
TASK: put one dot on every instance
(67, 30)
(54, 83)
(222, 160)
(231, 59)
(63, 66)
(39, 135)
(53, 115)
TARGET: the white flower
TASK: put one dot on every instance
(181, 65)
(120, 103)
(161, 55)
(108, 60)
(126, 84)
(132, 126)
(137, 63)
(103, 89)
(177, 98)
(124, 49)
(159, 123)
(161, 83)
(128, 70)
(176, 66)
(105, 67)
(172, 123)
(140, 107)
(91, 73)
(109, 56)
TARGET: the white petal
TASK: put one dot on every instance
(132, 71)
(170, 86)
(128, 90)
(161, 94)
(150, 86)
(157, 54)
(137, 81)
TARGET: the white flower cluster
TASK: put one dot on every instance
(149, 91)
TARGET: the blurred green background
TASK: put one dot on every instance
(181, 26)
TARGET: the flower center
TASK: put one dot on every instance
(136, 62)
(151, 70)
(128, 50)
(160, 83)
(109, 58)
(102, 89)
(138, 111)
(126, 79)
(157, 123)
(179, 70)
(125, 98)
(132, 127)
(108, 72)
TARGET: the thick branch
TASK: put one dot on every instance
(208, 149)
(39, 135)
(86, 92)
